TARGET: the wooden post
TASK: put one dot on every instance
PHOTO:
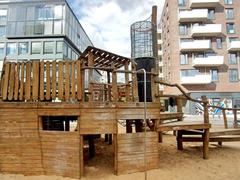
(35, 84)
(134, 84)
(179, 106)
(235, 123)
(6, 81)
(114, 85)
(21, 81)
(225, 118)
(90, 76)
(179, 140)
(127, 82)
(16, 86)
(108, 87)
(11, 81)
(73, 85)
(60, 79)
(154, 87)
(54, 80)
(28, 81)
(206, 131)
(48, 81)
(129, 126)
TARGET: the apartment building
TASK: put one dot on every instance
(201, 48)
(41, 30)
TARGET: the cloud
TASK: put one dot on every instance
(107, 22)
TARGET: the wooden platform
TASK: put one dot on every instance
(183, 125)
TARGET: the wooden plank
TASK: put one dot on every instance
(67, 80)
(35, 84)
(11, 81)
(73, 85)
(224, 118)
(60, 80)
(134, 84)
(90, 76)
(42, 80)
(22, 81)
(80, 81)
(48, 81)
(114, 86)
(28, 81)
(54, 80)
(127, 82)
(6, 80)
(16, 86)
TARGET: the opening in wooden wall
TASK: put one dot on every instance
(58, 123)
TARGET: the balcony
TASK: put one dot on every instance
(207, 30)
(197, 79)
(204, 3)
(210, 61)
(195, 15)
(234, 46)
(195, 45)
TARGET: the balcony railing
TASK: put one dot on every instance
(234, 46)
(210, 61)
(194, 15)
(207, 30)
(197, 79)
(195, 45)
(204, 3)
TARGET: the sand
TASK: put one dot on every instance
(224, 164)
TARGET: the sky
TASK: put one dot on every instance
(107, 22)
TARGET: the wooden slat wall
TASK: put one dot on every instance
(42, 81)
(130, 152)
(60, 152)
(20, 149)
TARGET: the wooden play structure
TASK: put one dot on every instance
(40, 99)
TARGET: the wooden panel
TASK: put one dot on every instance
(61, 153)
(6, 81)
(48, 81)
(67, 80)
(41, 80)
(16, 86)
(60, 80)
(22, 82)
(54, 80)
(28, 81)
(130, 152)
(138, 113)
(79, 81)
(73, 85)
(35, 84)
(11, 81)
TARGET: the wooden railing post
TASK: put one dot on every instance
(235, 123)
(225, 118)
(127, 82)
(114, 85)
(179, 106)
(90, 76)
(206, 131)
(134, 84)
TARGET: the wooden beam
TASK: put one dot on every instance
(35, 85)
(16, 86)
(60, 80)
(80, 82)
(225, 118)
(48, 81)
(28, 81)
(22, 81)
(73, 85)
(42, 80)
(11, 81)
(6, 81)
(134, 84)
(54, 80)
(127, 82)
(90, 76)
(67, 80)
(114, 86)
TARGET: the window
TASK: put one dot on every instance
(181, 2)
(1, 49)
(183, 29)
(189, 72)
(183, 58)
(229, 13)
(23, 48)
(214, 75)
(219, 43)
(2, 31)
(48, 27)
(38, 28)
(65, 51)
(59, 47)
(57, 27)
(20, 30)
(11, 48)
(228, 1)
(29, 28)
(58, 12)
(3, 15)
(36, 48)
(44, 13)
(230, 28)
(211, 14)
(233, 75)
(232, 57)
(48, 47)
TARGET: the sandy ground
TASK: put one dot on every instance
(224, 164)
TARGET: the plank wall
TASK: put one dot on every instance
(130, 152)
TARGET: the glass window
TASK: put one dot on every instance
(30, 13)
(3, 15)
(36, 47)
(214, 75)
(48, 26)
(189, 72)
(23, 48)
(48, 47)
(181, 2)
(184, 59)
(65, 51)
(1, 48)
(20, 30)
(211, 14)
(219, 43)
(44, 13)
(29, 28)
(20, 14)
(232, 57)
(57, 27)
(69, 53)
(228, 1)
(58, 12)
(183, 29)
(2, 31)
(39, 27)
(230, 28)
(229, 13)
(11, 48)
(59, 48)
(233, 75)
(11, 28)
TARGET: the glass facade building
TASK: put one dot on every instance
(43, 30)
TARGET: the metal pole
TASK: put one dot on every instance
(145, 119)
